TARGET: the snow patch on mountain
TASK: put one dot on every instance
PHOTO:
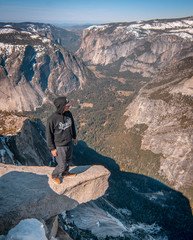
(8, 49)
(7, 30)
(29, 33)
(183, 35)
(46, 40)
(34, 36)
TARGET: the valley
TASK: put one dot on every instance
(131, 87)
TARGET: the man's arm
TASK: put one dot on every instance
(50, 135)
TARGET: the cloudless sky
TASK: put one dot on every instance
(89, 11)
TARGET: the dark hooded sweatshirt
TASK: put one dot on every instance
(60, 128)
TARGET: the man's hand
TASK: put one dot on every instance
(54, 152)
(75, 142)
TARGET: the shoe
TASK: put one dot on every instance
(56, 180)
(68, 174)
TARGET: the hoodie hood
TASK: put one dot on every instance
(60, 103)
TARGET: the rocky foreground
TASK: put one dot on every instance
(28, 192)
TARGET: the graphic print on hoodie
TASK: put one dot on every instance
(67, 124)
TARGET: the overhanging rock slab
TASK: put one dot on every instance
(28, 192)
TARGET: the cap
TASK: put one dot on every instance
(68, 103)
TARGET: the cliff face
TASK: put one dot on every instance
(164, 105)
(138, 47)
(33, 67)
(162, 50)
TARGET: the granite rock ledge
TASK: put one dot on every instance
(28, 192)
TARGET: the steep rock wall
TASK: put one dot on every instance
(35, 68)
(165, 106)
(140, 47)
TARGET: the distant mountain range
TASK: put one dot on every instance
(68, 39)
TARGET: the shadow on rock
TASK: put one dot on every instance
(80, 169)
(28, 195)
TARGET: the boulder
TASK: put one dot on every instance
(28, 229)
(29, 192)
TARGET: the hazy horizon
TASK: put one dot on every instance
(76, 12)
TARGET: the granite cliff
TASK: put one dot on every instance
(33, 67)
(164, 105)
(138, 47)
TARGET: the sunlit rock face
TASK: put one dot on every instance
(165, 106)
(33, 67)
(138, 47)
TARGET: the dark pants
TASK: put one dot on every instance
(63, 159)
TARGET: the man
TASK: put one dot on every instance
(60, 131)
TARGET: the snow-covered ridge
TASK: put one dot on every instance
(181, 28)
(167, 25)
(34, 28)
(97, 27)
(30, 32)
(155, 25)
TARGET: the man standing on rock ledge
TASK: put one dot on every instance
(60, 131)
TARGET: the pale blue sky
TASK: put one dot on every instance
(89, 11)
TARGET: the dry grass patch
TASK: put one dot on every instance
(82, 124)
(122, 80)
(125, 93)
(87, 105)
(98, 74)
(10, 123)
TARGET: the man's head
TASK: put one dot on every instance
(62, 104)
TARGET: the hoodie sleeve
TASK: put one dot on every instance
(50, 135)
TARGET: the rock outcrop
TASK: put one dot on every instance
(26, 145)
(138, 47)
(28, 192)
(33, 67)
